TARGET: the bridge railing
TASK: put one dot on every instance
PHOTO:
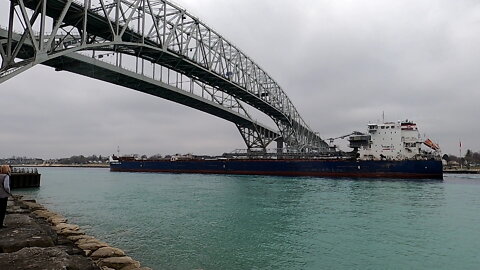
(177, 80)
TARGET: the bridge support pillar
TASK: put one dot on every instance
(280, 146)
(256, 137)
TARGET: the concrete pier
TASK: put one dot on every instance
(24, 179)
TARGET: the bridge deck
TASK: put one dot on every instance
(90, 67)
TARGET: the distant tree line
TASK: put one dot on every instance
(71, 160)
(470, 157)
(81, 159)
(21, 160)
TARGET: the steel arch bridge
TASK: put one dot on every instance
(158, 48)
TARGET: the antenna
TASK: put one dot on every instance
(118, 150)
(383, 116)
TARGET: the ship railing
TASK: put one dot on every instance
(274, 154)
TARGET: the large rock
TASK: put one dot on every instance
(43, 213)
(55, 220)
(88, 240)
(92, 245)
(17, 220)
(66, 226)
(67, 232)
(119, 263)
(31, 205)
(75, 238)
(50, 258)
(15, 198)
(105, 252)
(71, 250)
(51, 217)
(130, 267)
(134, 267)
(22, 232)
(15, 209)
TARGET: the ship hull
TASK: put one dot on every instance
(413, 169)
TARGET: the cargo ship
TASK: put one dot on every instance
(385, 150)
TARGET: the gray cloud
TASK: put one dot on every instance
(341, 62)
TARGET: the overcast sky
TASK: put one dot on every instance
(342, 63)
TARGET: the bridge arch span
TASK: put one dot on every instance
(160, 34)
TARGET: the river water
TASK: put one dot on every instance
(182, 221)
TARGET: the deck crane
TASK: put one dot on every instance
(331, 140)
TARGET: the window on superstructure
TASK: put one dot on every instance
(383, 127)
(409, 145)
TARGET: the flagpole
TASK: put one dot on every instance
(461, 163)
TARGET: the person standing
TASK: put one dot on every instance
(4, 191)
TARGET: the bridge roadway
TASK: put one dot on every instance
(91, 67)
(98, 25)
(265, 95)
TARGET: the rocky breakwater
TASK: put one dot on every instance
(36, 238)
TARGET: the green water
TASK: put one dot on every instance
(172, 221)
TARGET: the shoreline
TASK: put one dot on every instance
(461, 171)
(36, 238)
(62, 165)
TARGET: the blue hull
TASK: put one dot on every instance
(420, 169)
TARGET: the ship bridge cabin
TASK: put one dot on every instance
(390, 140)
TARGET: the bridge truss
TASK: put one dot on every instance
(155, 47)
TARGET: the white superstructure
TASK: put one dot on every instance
(390, 140)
